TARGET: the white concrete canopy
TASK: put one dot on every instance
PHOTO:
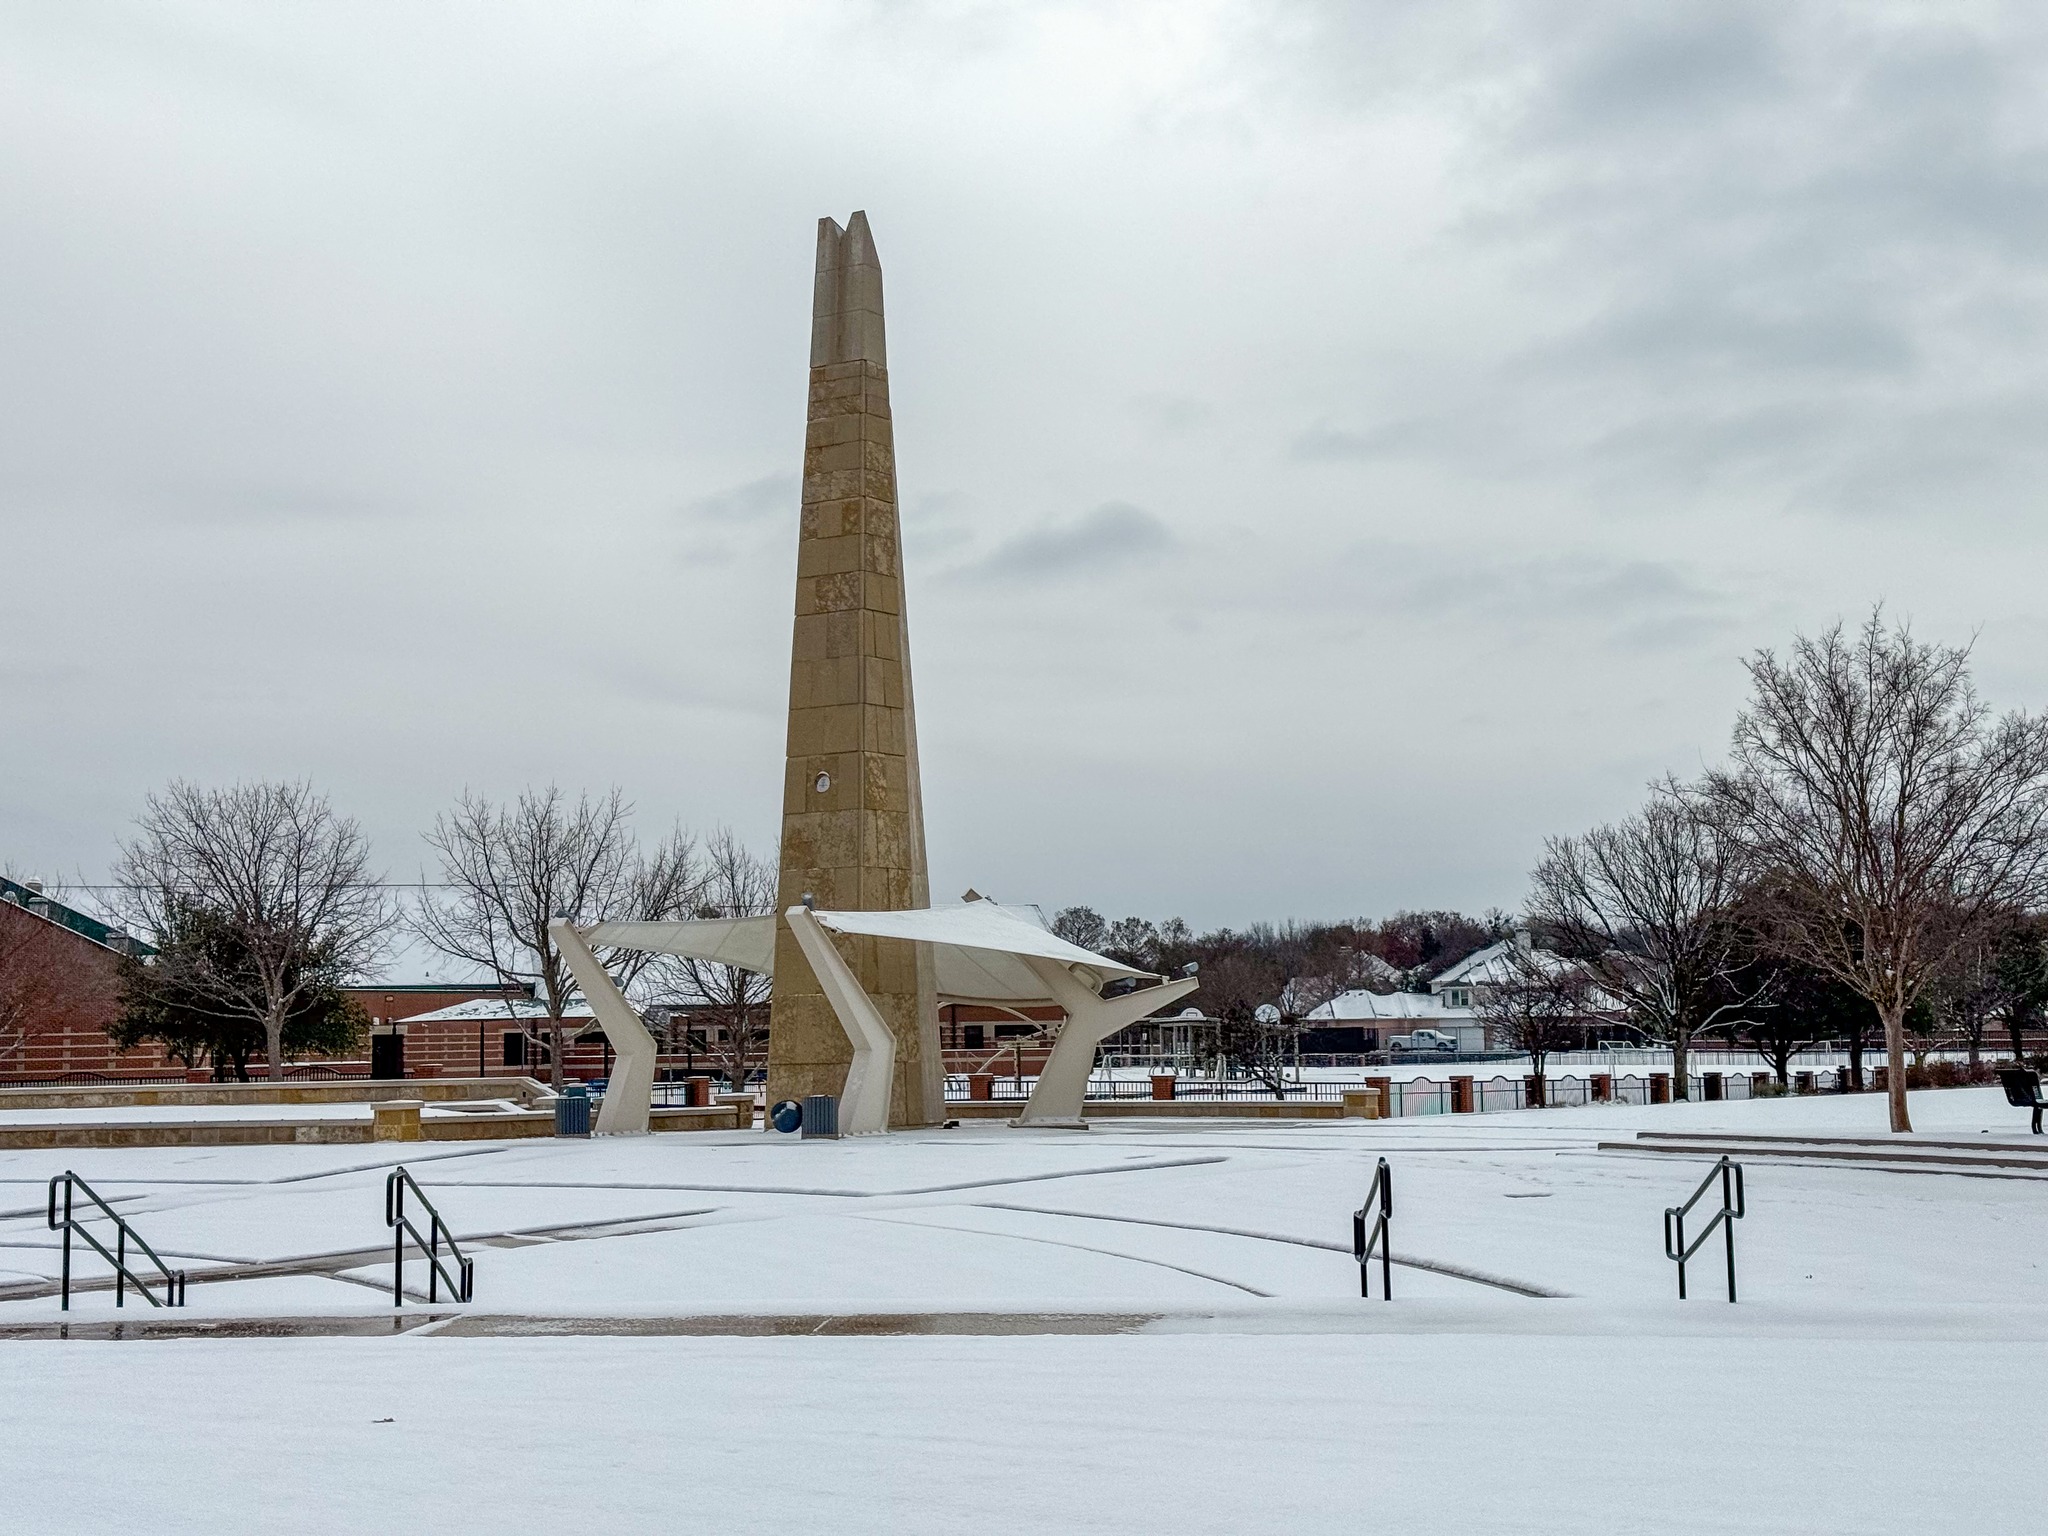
(982, 952)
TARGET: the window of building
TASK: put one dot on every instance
(974, 1036)
(1013, 1031)
(515, 1048)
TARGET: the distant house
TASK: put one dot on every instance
(1367, 1021)
(1467, 984)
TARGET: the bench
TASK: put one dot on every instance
(2023, 1091)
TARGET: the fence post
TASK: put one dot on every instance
(1532, 1091)
(981, 1085)
(1162, 1085)
(1660, 1087)
(1461, 1095)
(1802, 1082)
(1711, 1085)
(1385, 1085)
(1603, 1087)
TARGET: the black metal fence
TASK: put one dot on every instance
(1439, 1096)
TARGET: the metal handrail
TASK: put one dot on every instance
(1733, 1207)
(461, 1284)
(173, 1279)
(1379, 1205)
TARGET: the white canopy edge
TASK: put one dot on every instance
(977, 948)
(983, 926)
(747, 942)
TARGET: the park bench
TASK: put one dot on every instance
(2023, 1091)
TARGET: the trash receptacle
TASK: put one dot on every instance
(787, 1115)
(821, 1115)
(572, 1111)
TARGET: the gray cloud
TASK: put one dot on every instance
(1114, 535)
(408, 406)
(770, 497)
(1622, 604)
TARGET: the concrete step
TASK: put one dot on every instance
(2011, 1159)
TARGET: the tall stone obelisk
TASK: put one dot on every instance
(852, 809)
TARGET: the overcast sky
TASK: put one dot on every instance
(1339, 444)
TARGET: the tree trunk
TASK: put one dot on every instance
(273, 1045)
(1681, 1074)
(1856, 1057)
(1895, 1067)
(555, 1054)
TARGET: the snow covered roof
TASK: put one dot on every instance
(1348, 1007)
(1491, 966)
(514, 1009)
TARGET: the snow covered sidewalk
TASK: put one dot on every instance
(1149, 1326)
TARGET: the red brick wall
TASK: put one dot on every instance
(58, 993)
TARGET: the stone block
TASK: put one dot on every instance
(882, 730)
(885, 784)
(834, 484)
(882, 683)
(831, 519)
(396, 1120)
(837, 427)
(834, 458)
(841, 593)
(828, 728)
(832, 556)
(879, 556)
(885, 837)
(881, 635)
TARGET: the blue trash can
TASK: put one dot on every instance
(821, 1115)
(786, 1116)
(572, 1111)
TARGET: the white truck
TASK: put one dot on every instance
(1423, 1040)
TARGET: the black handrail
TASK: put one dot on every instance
(1732, 1209)
(173, 1279)
(1379, 1205)
(461, 1284)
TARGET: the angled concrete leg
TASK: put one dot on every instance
(864, 1102)
(1063, 1082)
(631, 1089)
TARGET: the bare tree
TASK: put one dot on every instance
(283, 874)
(511, 869)
(1892, 814)
(735, 883)
(1240, 989)
(1644, 905)
(2022, 966)
(1536, 1005)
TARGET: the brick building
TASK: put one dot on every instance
(60, 989)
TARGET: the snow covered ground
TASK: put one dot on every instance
(1151, 1326)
